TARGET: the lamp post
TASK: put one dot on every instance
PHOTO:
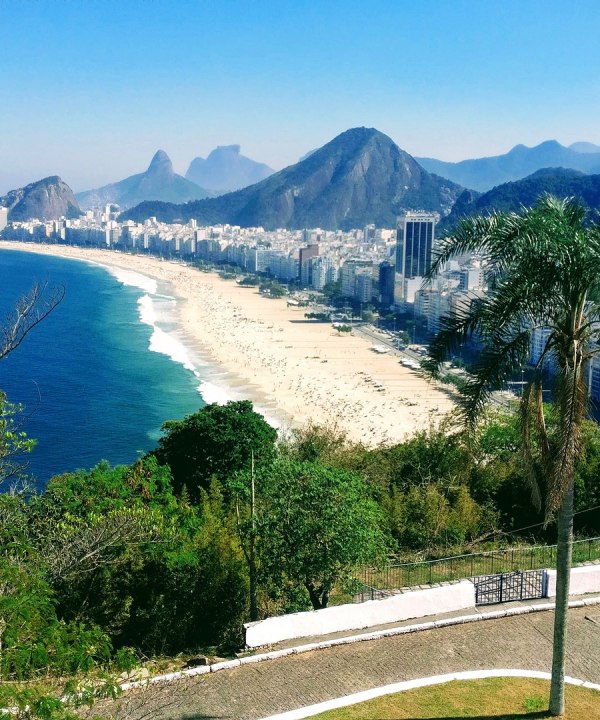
(522, 381)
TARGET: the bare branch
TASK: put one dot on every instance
(30, 310)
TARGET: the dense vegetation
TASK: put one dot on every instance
(512, 196)
(222, 522)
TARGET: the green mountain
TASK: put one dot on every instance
(159, 182)
(358, 178)
(512, 196)
(482, 174)
(47, 199)
(225, 170)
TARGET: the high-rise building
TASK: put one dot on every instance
(471, 278)
(386, 284)
(3, 217)
(350, 271)
(415, 233)
(306, 254)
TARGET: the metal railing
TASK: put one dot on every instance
(367, 592)
(428, 572)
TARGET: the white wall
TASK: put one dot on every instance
(584, 580)
(413, 604)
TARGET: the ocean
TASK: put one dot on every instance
(103, 372)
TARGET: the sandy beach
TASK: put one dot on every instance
(297, 371)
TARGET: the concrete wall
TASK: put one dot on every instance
(584, 580)
(413, 604)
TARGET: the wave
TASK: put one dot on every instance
(162, 341)
(214, 394)
(154, 309)
(134, 279)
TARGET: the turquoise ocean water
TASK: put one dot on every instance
(101, 374)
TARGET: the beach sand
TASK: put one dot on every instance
(295, 371)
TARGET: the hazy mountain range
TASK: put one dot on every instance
(360, 177)
(485, 173)
(225, 169)
(158, 182)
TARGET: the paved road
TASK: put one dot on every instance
(253, 691)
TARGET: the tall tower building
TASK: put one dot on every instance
(386, 284)
(415, 233)
(306, 254)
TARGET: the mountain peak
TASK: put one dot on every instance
(584, 147)
(360, 132)
(161, 162)
(225, 170)
(230, 149)
(359, 177)
(47, 199)
(549, 145)
(158, 182)
(485, 173)
(361, 135)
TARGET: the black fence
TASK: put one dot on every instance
(507, 587)
(428, 572)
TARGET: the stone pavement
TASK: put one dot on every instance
(260, 689)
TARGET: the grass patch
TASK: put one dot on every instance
(489, 699)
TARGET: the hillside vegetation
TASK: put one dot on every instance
(222, 523)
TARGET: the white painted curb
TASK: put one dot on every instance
(399, 687)
(348, 640)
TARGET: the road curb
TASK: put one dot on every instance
(348, 640)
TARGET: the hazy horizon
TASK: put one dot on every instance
(91, 90)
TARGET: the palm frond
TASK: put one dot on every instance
(542, 266)
(492, 370)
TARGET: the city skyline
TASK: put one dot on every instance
(93, 89)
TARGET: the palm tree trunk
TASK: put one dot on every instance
(564, 551)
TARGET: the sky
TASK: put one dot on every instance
(90, 89)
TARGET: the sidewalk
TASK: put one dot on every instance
(295, 674)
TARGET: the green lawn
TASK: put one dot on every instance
(490, 699)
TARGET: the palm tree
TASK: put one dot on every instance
(542, 268)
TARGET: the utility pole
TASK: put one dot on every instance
(251, 553)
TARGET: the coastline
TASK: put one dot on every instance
(295, 371)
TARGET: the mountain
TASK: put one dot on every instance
(225, 170)
(358, 178)
(512, 196)
(307, 155)
(159, 182)
(584, 147)
(485, 173)
(47, 199)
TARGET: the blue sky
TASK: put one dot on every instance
(91, 89)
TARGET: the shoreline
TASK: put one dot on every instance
(295, 371)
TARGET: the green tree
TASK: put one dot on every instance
(542, 267)
(249, 281)
(216, 441)
(122, 552)
(14, 443)
(277, 290)
(315, 525)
